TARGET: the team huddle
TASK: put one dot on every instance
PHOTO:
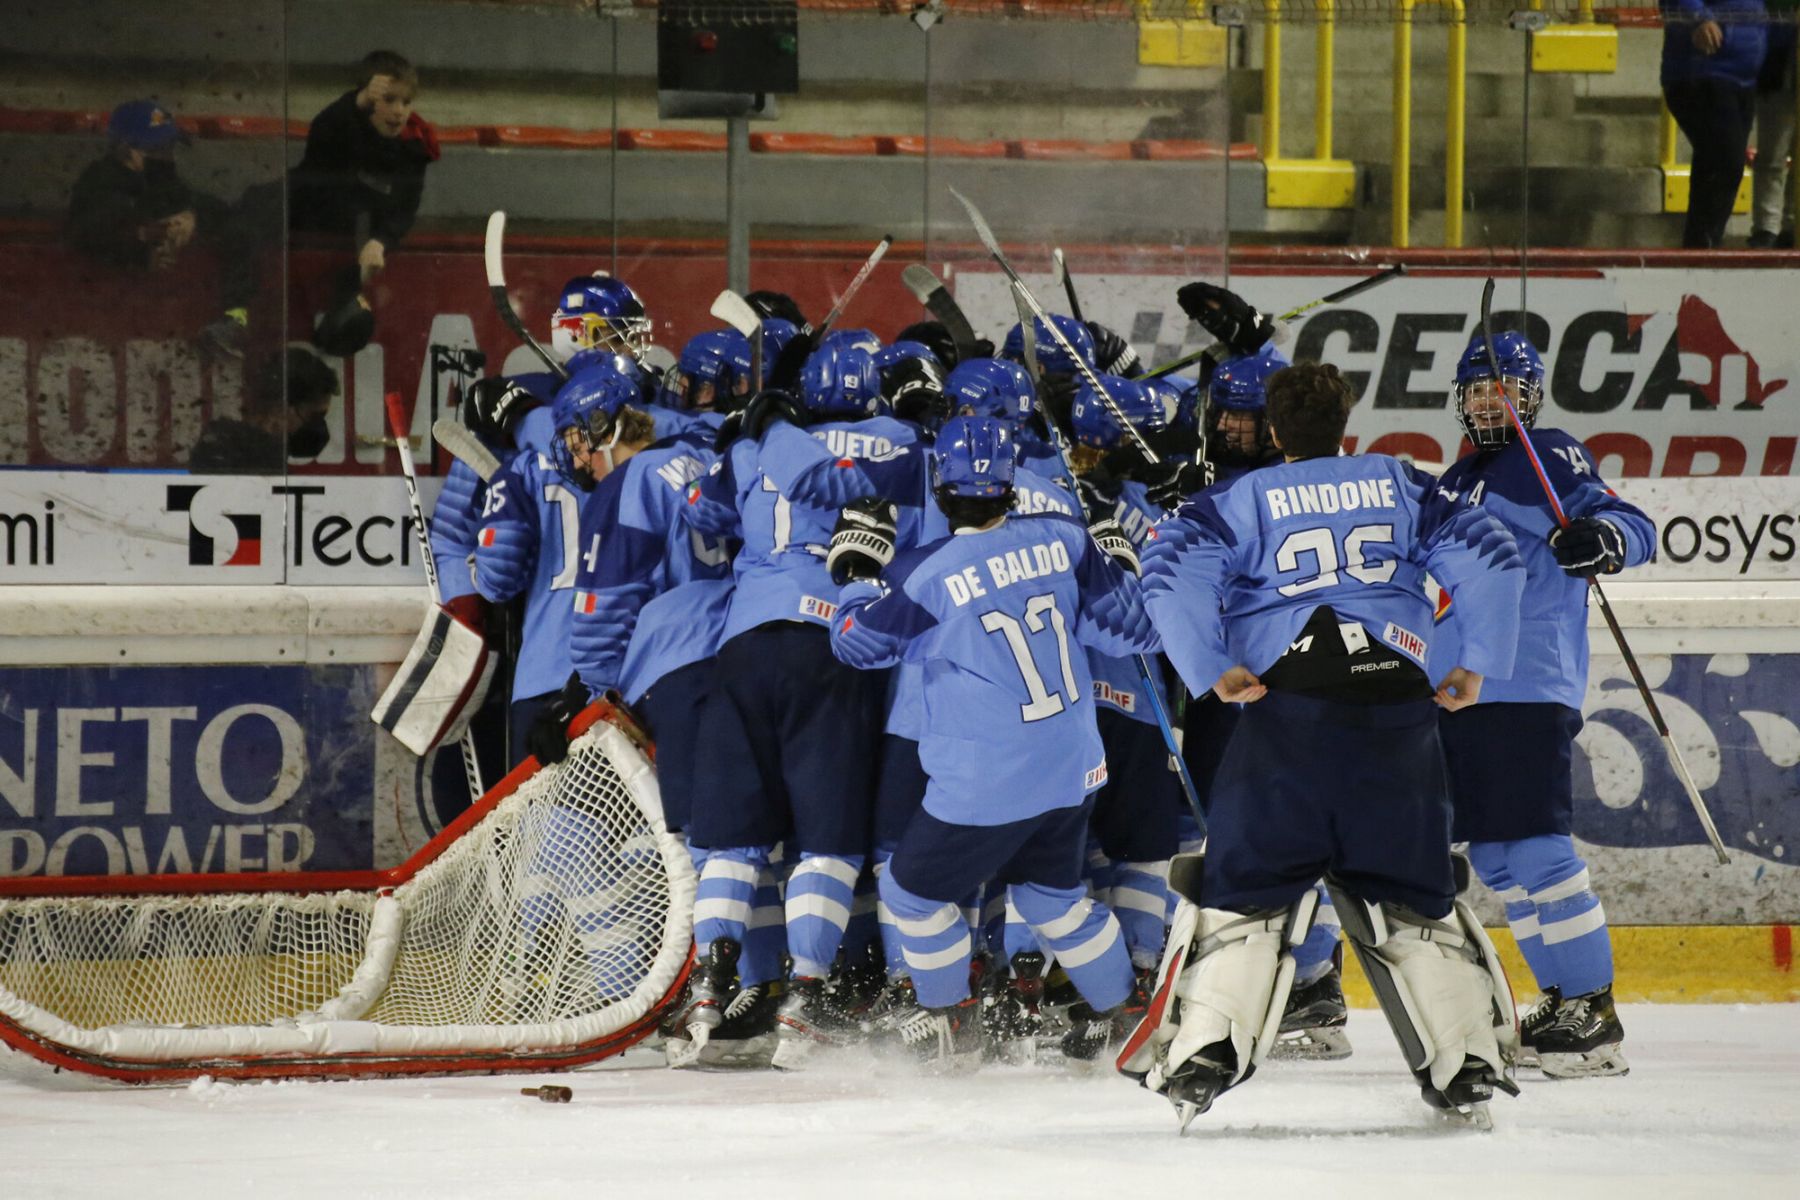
(1022, 703)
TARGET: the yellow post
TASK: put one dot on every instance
(1322, 78)
(1402, 172)
(1453, 141)
(1453, 129)
(1271, 119)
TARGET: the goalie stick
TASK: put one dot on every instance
(862, 277)
(496, 277)
(736, 312)
(1676, 762)
(930, 291)
(462, 444)
(397, 420)
(1028, 338)
(1344, 293)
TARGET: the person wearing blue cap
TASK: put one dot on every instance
(131, 209)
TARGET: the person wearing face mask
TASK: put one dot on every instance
(285, 421)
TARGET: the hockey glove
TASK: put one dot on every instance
(1169, 483)
(1227, 316)
(730, 429)
(1113, 353)
(493, 404)
(548, 737)
(862, 545)
(1588, 547)
(769, 406)
(1111, 537)
(1057, 391)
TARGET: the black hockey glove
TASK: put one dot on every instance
(1111, 537)
(493, 404)
(1057, 391)
(914, 388)
(1114, 354)
(769, 406)
(729, 430)
(1588, 547)
(548, 737)
(1227, 316)
(1169, 483)
(862, 545)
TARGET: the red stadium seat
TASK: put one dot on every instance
(1187, 150)
(1067, 150)
(812, 143)
(459, 135)
(913, 145)
(545, 137)
(669, 139)
(252, 127)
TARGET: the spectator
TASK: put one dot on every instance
(1772, 203)
(285, 419)
(131, 209)
(361, 177)
(1710, 59)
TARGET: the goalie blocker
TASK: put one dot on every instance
(439, 686)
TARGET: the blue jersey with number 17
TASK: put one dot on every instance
(998, 619)
(1232, 577)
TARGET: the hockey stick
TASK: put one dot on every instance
(862, 277)
(496, 277)
(1362, 285)
(1022, 295)
(736, 312)
(1676, 762)
(930, 291)
(1068, 283)
(397, 419)
(1028, 338)
(462, 444)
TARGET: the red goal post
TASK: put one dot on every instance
(547, 927)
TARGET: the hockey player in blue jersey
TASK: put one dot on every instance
(527, 542)
(814, 724)
(1298, 590)
(1000, 388)
(1509, 756)
(1135, 812)
(1008, 739)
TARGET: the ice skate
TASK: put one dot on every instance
(807, 1020)
(1194, 1086)
(1312, 1027)
(1012, 1009)
(1464, 1100)
(710, 989)
(1584, 1039)
(745, 1036)
(1537, 1018)
(944, 1038)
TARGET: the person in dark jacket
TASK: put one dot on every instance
(131, 209)
(1711, 55)
(285, 418)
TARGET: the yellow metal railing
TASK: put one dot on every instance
(1319, 181)
(1453, 123)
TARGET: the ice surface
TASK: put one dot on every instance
(1711, 1108)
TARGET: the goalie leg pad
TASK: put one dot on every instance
(1225, 978)
(438, 687)
(1434, 984)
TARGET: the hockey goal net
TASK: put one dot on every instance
(546, 927)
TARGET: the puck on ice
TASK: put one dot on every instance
(550, 1093)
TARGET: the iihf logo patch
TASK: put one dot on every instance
(201, 546)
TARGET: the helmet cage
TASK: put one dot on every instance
(1485, 433)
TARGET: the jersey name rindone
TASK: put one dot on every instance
(1347, 496)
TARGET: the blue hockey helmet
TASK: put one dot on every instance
(841, 381)
(777, 333)
(973, 458)
(1148, 411)
(713, 372)
(585, 416)
(1236, 398)
(1050, 353)
(887, 356)
(624, 364)
(1478, 404)
(990, 387)
(601, 311)
(861, 339)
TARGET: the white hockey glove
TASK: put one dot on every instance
(1111, 537)
(862, 545)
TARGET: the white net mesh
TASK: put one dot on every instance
(561, 917)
